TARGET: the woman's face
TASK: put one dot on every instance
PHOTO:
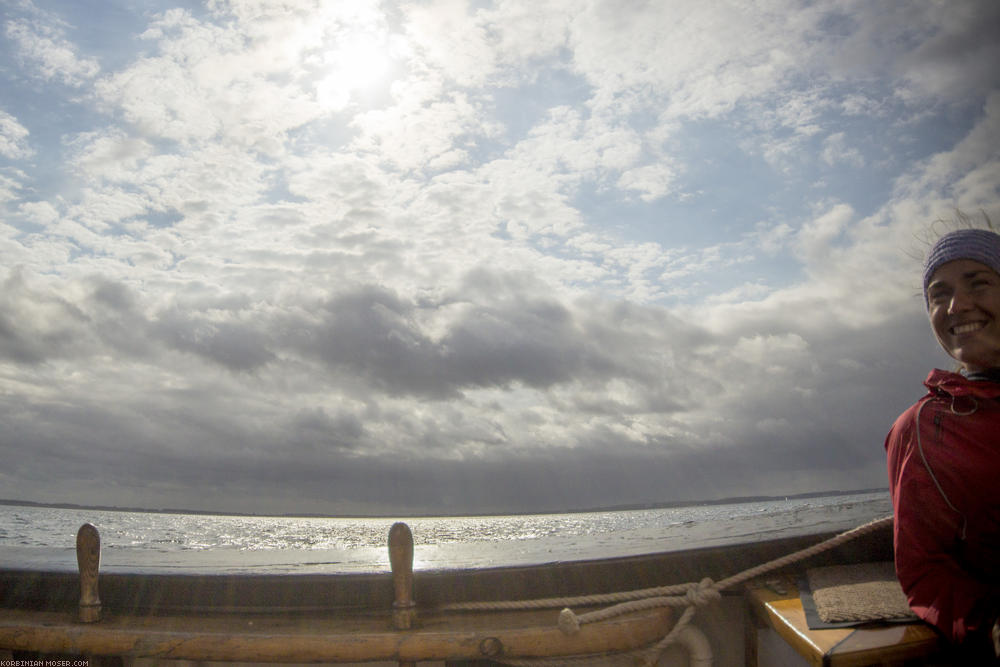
(964, 306)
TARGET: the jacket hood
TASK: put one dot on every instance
(955, 384)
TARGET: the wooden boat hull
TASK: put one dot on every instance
(325, 638)
(348, 618)
(254, 593)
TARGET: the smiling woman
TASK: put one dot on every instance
(962, 283)
(942, 453)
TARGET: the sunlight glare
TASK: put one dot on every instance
(358, 62)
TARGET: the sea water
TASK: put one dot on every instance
(44, 538)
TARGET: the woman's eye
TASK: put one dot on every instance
(938, 298)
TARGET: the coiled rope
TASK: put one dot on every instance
(689, 596)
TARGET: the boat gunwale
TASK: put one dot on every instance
(250, 593)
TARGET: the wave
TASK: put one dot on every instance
(147, 541)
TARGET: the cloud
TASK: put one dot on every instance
(650, 181)
(207, 82)
(965, 174)
(420, 133)
(954, 61)
(835, 150)
(452, 42)
(542, 256)
(815, 238)
(40, 213)
(45, 49)
(660, 50)
(13, 138)
(37, 323)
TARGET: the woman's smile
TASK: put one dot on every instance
(963, 298)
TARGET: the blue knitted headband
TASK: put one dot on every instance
(980, 245)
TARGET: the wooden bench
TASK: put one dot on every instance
(778, 606)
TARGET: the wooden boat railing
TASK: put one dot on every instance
(357, 618)
(310, 633)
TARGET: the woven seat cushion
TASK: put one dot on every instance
(859, 593)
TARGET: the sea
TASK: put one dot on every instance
(43, 538)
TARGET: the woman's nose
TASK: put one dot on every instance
(960, 301)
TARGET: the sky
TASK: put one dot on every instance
(474, 257)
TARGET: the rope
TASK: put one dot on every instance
(689, 596)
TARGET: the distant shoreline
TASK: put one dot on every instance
(614, 508)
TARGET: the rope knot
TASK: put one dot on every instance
(702, 593)
(568, 622)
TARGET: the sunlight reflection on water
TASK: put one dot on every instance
(43, 538)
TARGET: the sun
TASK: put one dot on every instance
(356, 63)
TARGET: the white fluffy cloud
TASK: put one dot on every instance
(47, 52)
(13, 138)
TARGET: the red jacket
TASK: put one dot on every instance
(951, 581)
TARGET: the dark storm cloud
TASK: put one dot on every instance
(37, 324)
(800, 410)
(371, 333)
(567, 478)
(315, 431)
(238, 346)
(961, 55)
(40, 321)
(110, 459)
(95, 445)
(498, 332)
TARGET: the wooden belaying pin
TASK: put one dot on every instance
(88, 559)
(404, 609)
